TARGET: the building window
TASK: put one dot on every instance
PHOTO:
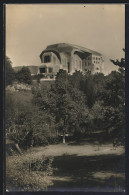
(97, 68)
(43, 70)
(94, 61)
(47, 59)
(50, 70)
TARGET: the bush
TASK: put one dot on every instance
(42, 164)
(24, 76)
(21, 176)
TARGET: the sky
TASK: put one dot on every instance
(31, 27)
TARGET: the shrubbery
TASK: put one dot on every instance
(25, 123)
(29, 174)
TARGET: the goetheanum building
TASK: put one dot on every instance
(70, 58)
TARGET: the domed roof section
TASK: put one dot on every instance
(66, 47)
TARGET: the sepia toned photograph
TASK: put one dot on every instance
(65, 97)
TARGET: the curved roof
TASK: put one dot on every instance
(51, 50)
(60, 47)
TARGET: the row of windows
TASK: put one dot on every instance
(44, 70)
(87, 60)
(97, 58)
(47, 59)
(87, 69)
(96, 62)
(94, 58)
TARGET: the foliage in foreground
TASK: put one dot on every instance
(22, 177)
(25, 123)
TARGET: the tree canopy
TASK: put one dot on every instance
(24, 75)
(9, 72)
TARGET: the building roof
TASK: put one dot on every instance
(51, 50)
(69, 47)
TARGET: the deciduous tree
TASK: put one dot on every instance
(24, 75)
(9, 72)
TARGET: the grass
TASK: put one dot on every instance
(44, 83)
(73, 167)
(89, 172)
(20, 96)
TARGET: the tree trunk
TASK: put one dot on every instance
(18, 148)
(63, 137)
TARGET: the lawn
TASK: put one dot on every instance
(86, 167)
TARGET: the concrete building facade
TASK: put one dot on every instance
(70, 58)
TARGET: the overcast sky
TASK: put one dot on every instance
(30, 28)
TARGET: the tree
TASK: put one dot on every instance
(66, 102)
(9, 72)
(96, 119)
(113, 97)
(88, 87)
(26, 123)
(120, 64)
(113, 93)
(24, 75)
(76, 79)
